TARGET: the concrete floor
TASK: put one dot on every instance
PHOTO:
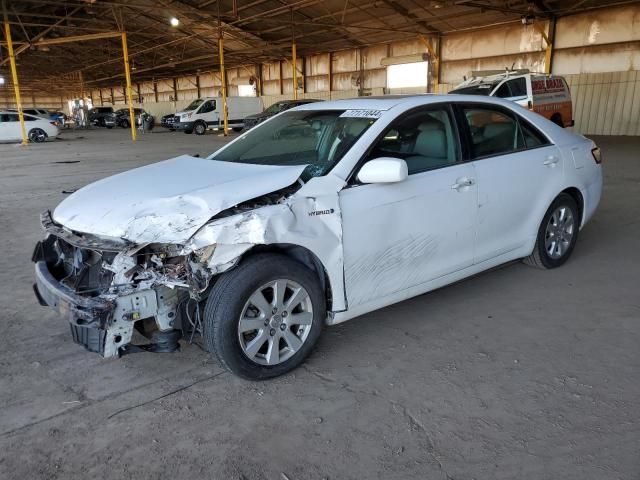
(516, 373)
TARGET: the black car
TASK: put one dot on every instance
(167, 121)
(101, 116)
(281, 106)
(122, 117)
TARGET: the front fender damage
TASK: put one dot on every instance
(310, 222)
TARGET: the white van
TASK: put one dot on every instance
(206, 113)
(545, 94)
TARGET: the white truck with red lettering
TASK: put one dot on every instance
(545, 94)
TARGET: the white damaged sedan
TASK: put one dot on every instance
(318, 215)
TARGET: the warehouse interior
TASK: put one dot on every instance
(511, 373)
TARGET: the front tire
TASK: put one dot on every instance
(557, 235)
(37, 135)
(200, 128)
(263, 318)
(237, 129)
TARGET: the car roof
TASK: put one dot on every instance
(388, 102)
(14, 112)
(365, 103)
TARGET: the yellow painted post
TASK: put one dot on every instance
(294, 63)
(434, 62)
(127, 74)
(549, 43)
(225, 111)
(16, 84)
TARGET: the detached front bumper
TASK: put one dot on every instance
(87, 316)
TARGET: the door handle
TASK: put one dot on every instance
(551, 161)
(462, 182)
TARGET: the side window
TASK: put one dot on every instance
(493, 131)
(11, 117)
(207, 107)
(532, 137)
(29, 118)
(425, 140)
(518, 87)
(503, 91)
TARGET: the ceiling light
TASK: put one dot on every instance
(1, 80)
(174, 22)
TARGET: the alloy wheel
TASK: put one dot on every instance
(559, 232)
(37, 135)
(275, 322)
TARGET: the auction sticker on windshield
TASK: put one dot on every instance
(362, 114)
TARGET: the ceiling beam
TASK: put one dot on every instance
(42, 34)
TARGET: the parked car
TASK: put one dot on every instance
(37, 129)
(102, 117)
(167, 121)
(60, 118)
(36, 112)
(325, 212)
(206, 113)
(547, 95)
(281, 106)
(122, 116)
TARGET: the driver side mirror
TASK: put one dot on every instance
(383, 170)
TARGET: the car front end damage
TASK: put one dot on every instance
(109, 290)
(122, 297)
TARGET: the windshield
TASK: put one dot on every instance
(317, 138)
(195, 104)
(480, 89)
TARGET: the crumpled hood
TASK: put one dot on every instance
(167, 202)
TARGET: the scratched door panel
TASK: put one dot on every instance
(396, 236)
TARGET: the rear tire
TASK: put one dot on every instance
(124, 124)
(557, 234)
(237, 129)
(557, 119)
(257, 343)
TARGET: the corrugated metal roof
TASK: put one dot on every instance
(254, 31)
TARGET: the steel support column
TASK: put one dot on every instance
(548, 40)
(294, 70)
(14, 76)
(223, 79)
(127, 74)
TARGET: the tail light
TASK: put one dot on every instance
(597, 155)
